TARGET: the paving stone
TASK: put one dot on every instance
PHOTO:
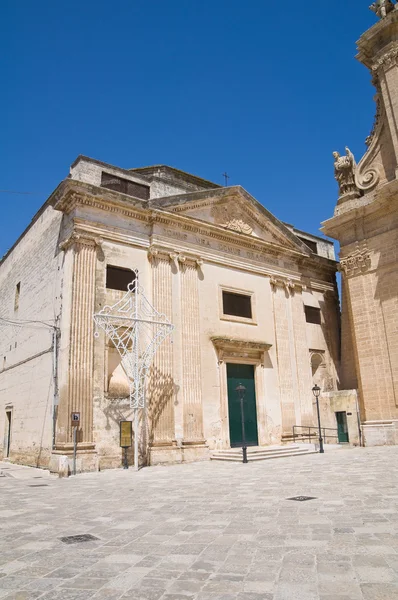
(379, 591)
(169, 531)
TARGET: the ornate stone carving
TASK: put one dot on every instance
(190, 260)
(387, 60)
(161, 254)
(382, 7)
(230, 217)
(356, 262)
(289, 285)
(152, 253)
(81, 238)
(240, 226)
(344, 172)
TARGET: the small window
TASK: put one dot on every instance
(237, 305)
(312, 315)
(118, 278)
(17, 296)
(125, 186)
(311, 244)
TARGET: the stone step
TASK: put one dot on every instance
(256, 454)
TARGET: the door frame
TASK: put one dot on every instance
(242, 352)
(342, 412)
(260, 396)
(228, 362)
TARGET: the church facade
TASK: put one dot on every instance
(365, 222)
(252, 300)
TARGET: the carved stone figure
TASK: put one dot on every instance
(382, 7)
(344, 172)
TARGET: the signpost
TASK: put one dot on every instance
(126, 439)
(75, 421)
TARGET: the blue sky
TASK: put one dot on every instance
(264, 90)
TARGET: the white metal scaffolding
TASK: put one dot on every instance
(136, 329)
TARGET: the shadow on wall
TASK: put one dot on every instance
(156, 424)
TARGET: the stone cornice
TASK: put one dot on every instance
(69, 197)
(227, 347)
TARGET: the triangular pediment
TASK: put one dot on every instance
(235, 210)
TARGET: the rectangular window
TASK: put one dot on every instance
(237, 305)
(17, 296)
(118, 278)
(312, 315)
(125, 186)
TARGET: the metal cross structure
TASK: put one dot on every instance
(136, 329)
(226, 177)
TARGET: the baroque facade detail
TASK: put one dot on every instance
(387, 60)
(344, 173)
(289, 285)
(356, 262)
(382, 7)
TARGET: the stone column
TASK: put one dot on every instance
(161, 384)
(79, 392)
(191, 360)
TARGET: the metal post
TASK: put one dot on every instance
(244, 447)
(74, 449)
(136, 462)
(126, 462)
(321, 450)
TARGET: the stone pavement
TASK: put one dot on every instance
(206, 531)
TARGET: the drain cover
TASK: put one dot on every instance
(302, 498)
(39, 485)
(77, 539)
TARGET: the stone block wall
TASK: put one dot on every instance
(26, 351)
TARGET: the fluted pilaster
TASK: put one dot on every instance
(161, 385)
(190, 324)
(81, 355)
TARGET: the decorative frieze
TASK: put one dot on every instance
(387, 60)
(357, 262)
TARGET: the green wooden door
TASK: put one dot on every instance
(342, 428)
(242, 374)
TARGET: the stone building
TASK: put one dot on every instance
(252, 299)
(365, 222)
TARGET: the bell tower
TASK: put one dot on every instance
(365, 222)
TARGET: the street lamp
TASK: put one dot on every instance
(316, 390)
(241, 391)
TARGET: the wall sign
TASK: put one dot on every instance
(126, 434)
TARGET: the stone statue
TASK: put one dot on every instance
(344, 172)
(383, 7)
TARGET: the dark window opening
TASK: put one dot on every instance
(311, 245)
(17, 296)
(312, 315)
(237, 305)
(118, 184)
(118, 278)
